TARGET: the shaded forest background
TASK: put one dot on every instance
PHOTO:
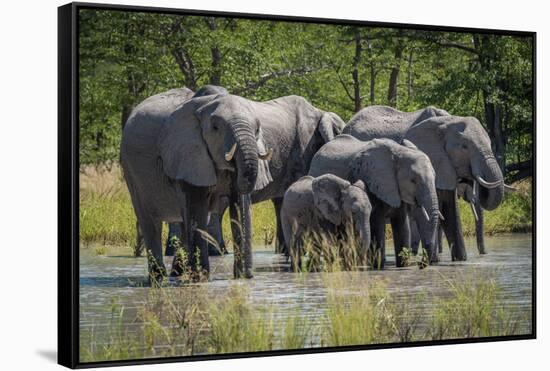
(127, 56)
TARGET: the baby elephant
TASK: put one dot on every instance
(325, 205)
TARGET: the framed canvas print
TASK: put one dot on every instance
(239, 185)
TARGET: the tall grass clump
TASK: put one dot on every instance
(356, 318)
(106, 213)
(235, 327)
(472, 310)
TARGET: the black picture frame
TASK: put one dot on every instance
(68, 180)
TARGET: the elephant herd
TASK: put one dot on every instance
(187, 157)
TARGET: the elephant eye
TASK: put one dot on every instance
(464, 146)
(215, 126)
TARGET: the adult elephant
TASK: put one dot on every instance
(395, 176)
(458, 147)
(175, 167)
(213, 148)
(325, 205)
(158, 108)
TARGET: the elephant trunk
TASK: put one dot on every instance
(487, 173)
(362, 228)
(246, 156)
(428, 201)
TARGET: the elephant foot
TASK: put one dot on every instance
(460, 258)
(248, 273)
(156, 276)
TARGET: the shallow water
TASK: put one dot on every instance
(104, 279)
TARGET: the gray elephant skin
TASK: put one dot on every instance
(458, 147)
(313, 207)
(159, 108)
(209, 148)
(395, 176)
(170, 166)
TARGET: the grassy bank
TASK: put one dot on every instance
(180, 321)
(107, 217)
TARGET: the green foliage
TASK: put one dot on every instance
(128, 56)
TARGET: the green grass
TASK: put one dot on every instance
(513, 215)
(182, 321)
(107, 217)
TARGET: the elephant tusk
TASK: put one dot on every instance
(509, 188)
(266, 156)
(487, 184)
(440, 215)
(425, 213)
(475, 190)
(229, 155)
(474, 211)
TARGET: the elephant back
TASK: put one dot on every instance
(146, 120)
(376, 122)
(335, 156)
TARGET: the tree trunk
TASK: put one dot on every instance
(372, 83)
(493, 116)
(494, 127)
(355, 72)
(215, 71)
(410, 76)
(186, 66)
(394, 74)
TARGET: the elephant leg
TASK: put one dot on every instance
(151, 229)
(280, 245)
(401, 233)
(440, 239)
(246, 216)
(214, 229)
(480, 239)
(296, 250)
(237, 238)
(194, 215)
(198, 218)
(174, 231)
(415, 235)
(377, 258)
(451, 224)
(138, 249)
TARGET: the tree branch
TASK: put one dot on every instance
(265, 78)
(345, 87)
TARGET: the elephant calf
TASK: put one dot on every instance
(313, 207)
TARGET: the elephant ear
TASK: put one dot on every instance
(327, 197)
(376, 166)
(429, 137)
(182, 149)
(330, 125)
(264, 174)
